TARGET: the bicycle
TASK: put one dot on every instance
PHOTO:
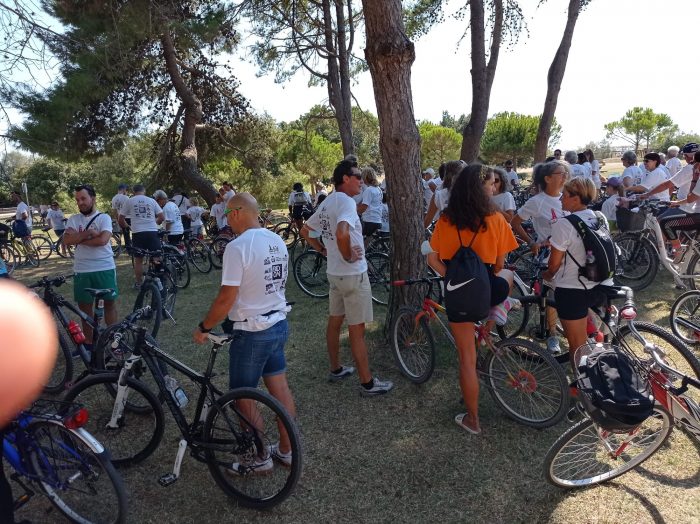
(234, 433)
(523, 379)
(685, 317)
(23, 249)
(158, 289)
(218, 246)
(176, 260)
(587, 454)
(309, 270)
(197, 252)
(48, 447)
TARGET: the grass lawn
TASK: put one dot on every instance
(399, 457)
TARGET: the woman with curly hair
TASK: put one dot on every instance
(470, 215)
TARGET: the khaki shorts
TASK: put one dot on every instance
(351, 295)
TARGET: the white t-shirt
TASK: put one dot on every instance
(635, 173)
(228, 195)
(504, 201)
(182, 203)
(173, 217)
(142, 210)
(667, 173)
(21, 209)
(320, 193)
(441, 198)
(339, 207)
(609, 207)
(358, 198)
(512, 180)
(256, 262)
(438, 183)
(92, 258)
(682, 181)
(218, 211)
(673, 165)
(543, 210)
(298, 198)
(372, 198)
(427, 192)
(579, 170)
(56, 216)
(118, 202)
(195, 214)
(385, 219)
(652, 179)
(566, 238)
(588, 169)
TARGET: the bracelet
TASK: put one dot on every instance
(202, 328)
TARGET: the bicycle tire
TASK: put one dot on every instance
(59, 246)
(223, 448)
(43, 246)
(525, 375)
(29, 254)
(199, 255)
(582, 442)
(517, 317)
(685, 313)
(132, 441)
(169, 292)
(678, 355)
(639, 259)
(309, 270)
(413, 345)
(692, 268)
(379, 273)
(288, 233)
(76, 475)
(62, 372)
(149, 295)
(218, 246)
(10, 256)
(176, 262)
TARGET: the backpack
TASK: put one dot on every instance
(613, 393)
(599, 242)
(299, 198)
(467, 285)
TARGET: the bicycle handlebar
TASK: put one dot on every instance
(657, 354)
(411, 281)
(50, 282)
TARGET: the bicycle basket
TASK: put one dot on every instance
(630, 220)
(614, 394)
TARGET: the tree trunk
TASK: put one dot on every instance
(338, 81)
(390, 55)
(482, 74)
(193, 115)
(555, 75)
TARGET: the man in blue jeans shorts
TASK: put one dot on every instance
(252, 297)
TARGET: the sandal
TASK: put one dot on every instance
(459, 420)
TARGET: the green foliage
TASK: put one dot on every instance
(46, 179)
(512, 136)
(455, 123)
(641, 124)
(679, 139)
(602, 149)
(438, 144)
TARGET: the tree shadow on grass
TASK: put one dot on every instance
(668, 480)
(648, 505)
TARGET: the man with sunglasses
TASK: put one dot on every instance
(350, 294)
(93, 263)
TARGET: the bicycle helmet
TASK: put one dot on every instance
(690, 148)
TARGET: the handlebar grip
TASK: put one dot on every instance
(629, 298)
(399, 282)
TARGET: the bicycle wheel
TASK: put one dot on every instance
(60, 246)
(116, 243)
(75, 474)
(29, 253)
(693, 269)
(639, 259)
(217, 251)
(149, 295)
(586, 455)
(242, 429)
(10, 256)
(176, 262)
(685, 317)
(678, 355)
(199, 255)
(287, 233)
(413, 344)
(42, 246)
(63, 368)
(309, 271)
(131, 431)
(525, 265)
(518, 316)
(526, 383)
(379, 273)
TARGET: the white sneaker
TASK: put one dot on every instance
(284, 458)
(379, 387)
(553, 345)
(256, 467)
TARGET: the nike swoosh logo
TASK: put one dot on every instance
(450, 287)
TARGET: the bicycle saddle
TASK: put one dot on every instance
(99, 293)
(219, 340)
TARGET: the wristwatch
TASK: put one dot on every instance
(202, 328)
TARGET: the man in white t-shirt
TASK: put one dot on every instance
(183, 204)
(429, 186)
(118, 202)
(57, 221)
(218, 212)
(252, 296)
(145, 215)
(632, 175)
(512, 180)
(195, 213)
(93, 263)
(350, 294)
(673, 164)
(173, 219)
(23, 219)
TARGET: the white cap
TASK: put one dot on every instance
(430, 171)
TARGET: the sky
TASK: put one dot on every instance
(625, 53)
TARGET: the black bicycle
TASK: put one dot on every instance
(158, 289)
(239, 434)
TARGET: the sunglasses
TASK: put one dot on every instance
(359, 177)
(229, 209)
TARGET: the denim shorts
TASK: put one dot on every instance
(255, 354)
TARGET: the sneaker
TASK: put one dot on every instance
(499, 314)
(345, 371)
(283, 458)
(678, 256)
(256, 467)
(379, 387)
(553, 345)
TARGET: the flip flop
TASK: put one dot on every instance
(458, 420)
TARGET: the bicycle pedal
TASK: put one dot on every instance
(167, 479)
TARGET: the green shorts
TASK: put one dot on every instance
(97, 279)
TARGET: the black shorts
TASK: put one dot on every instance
(299, 212)
(368, 228)
(175, 239)
(146, 240)
(499, 289)
(573, 304)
